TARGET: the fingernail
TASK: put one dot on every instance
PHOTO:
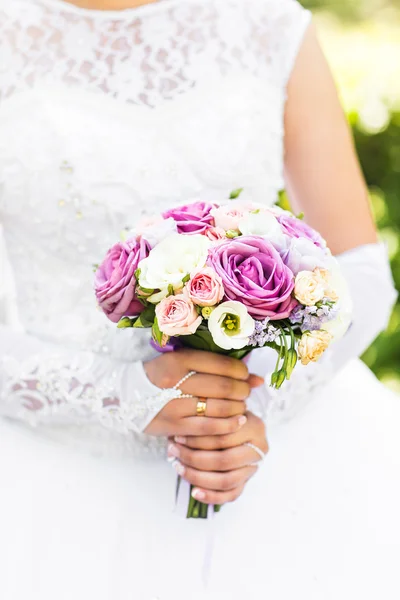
(180, 439)
(173, 451)
(198, 494)
(242, 420)
(179, 468)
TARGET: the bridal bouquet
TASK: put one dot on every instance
(228, 278)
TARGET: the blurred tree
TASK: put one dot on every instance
(373, 99)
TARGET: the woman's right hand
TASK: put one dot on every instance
(225, 383)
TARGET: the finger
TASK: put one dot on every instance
(214, 364)
(210, 480)
(213, 497)
(255, 381)
(216, 386)
(212, 442)
(215, 408)
(214, 460)
(206, 426)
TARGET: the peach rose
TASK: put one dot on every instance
(205, 287)
(177, 315)
(309, 288)
(227, 216)
(326, 277)
(312, 346)
(216, 234)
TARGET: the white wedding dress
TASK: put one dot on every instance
(106, 117)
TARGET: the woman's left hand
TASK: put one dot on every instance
(220, 466)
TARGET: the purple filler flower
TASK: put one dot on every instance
(296, 228)
(264, 332)
(192, 218)
(312, 318)
(115, 282)
(254, 274)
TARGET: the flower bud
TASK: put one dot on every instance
(206, 312)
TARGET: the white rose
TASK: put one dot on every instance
(338, 326)
(262, 222)
(171, 260)
(231, 325)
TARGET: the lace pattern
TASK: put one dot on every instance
(167, 49)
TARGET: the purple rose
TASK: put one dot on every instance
(254, 274)
(192, 218)
(115, 281)
(296, 228)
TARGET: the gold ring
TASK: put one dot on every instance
(201, 407)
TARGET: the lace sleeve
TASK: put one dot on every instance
(41, 382)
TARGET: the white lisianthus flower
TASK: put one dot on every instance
(231, 325)
(170, 261)
(338, 326)
(263, 223)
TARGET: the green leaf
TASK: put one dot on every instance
(126, 322)
(95, 267)
(157, 334)
(146, 319)
(146, 291)
(300, 216)
(142, 300)
(240, 354)
(231, 234)
(186, 279)
(235, 194)
(137, 274)
(171, 290)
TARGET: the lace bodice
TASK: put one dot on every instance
(105, 117)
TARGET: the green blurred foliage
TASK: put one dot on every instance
(372, 99)
(380, 159)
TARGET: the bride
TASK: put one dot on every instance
(112, 110)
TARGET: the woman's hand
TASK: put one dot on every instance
(220, 466)
(224, 381)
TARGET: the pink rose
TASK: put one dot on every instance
(205, 287)
(115, 282)
(216, 234)
(191, 218)
(177, 315)
(228, 216)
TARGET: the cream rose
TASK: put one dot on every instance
(312, 346)
(309, 288)
(171, 261)
(177, 315)
(231, 325)
(337, 285)
(326, 278)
